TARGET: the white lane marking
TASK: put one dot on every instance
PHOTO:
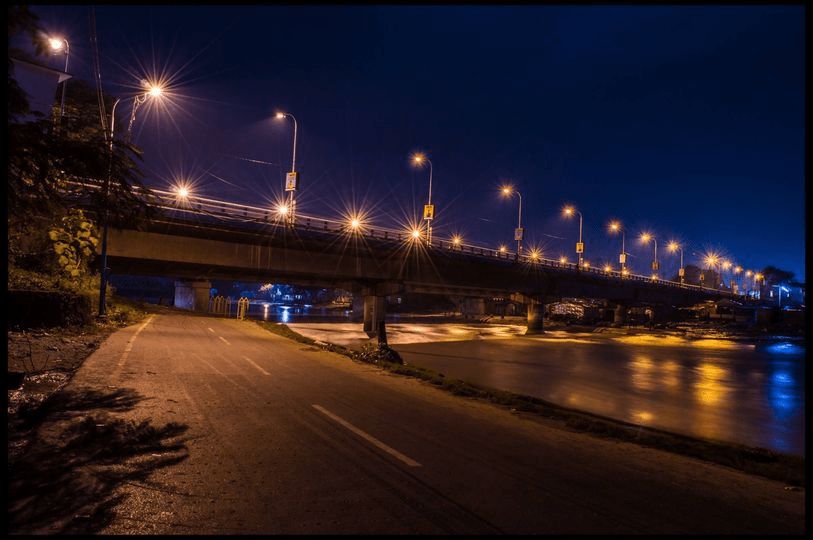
(224, 340)
(393, 452)
(211, 330)
(129, 346)
(250, 361)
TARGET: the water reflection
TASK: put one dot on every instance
(713, 388)
(285, 313)
(784, 400)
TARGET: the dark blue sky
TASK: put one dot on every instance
(686, 121)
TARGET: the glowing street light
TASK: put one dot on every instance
(456, 241)
(711, 264)
(737, 270)
(674, 246)
(726, 265)
(56, 46)
(757, 285)
(569, 210)
(429, 209)
(292, 178)
(519, 231)
(646, 237)
(615, 226)
(152, 91)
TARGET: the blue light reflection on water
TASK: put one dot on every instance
(785, 384)
(284, 313)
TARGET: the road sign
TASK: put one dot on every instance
(429, 211)
(291, 181)
(518, 232)
(579, 247)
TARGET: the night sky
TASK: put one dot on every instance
(684, 121)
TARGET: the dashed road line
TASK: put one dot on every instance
(366, 436)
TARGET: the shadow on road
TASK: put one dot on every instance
(64, 478)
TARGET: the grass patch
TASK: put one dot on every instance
(756, 461)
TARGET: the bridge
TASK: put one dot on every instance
(197, 240)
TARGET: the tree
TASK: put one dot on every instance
(54, 171)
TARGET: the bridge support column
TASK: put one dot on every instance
(475, 307)
(357, 307)
(374, 317)
(536, 311)
(193, 295)
(619, 315)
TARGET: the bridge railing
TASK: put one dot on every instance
(170, 202)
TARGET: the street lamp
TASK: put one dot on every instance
(56, 46)
(711, 263)
(153, 91)
(615, 226)
(646, 237)
(674, 246)
(519, 231)
(726, 265)
(579, 245)
(428, 209)
(737, 270)
(292, 178)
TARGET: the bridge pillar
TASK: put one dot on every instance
(357, 307)
(619, 314)
(536, 310)
(374, 317)
(193, 295)
(475, 307)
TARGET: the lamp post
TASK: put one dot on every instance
(711, 263)
(674, 246)
(429, 208)
(726, 266)
(737, 270)
(615, 226)
(519, 231)
(748, 274)
(138, 100)
(56, 46)
(646, 237)
(292, 178)
(758, 285)
(579, 245)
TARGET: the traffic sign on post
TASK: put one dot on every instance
(291, 181)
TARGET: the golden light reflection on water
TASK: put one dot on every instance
(716, 344)
(563, 340)
(709, 390)
(671, 374)
(642, 369)
(651, 340)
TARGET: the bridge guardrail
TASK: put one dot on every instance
(223, 210)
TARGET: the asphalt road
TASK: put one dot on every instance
(275, 437)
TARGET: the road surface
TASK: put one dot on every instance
(185, 424)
